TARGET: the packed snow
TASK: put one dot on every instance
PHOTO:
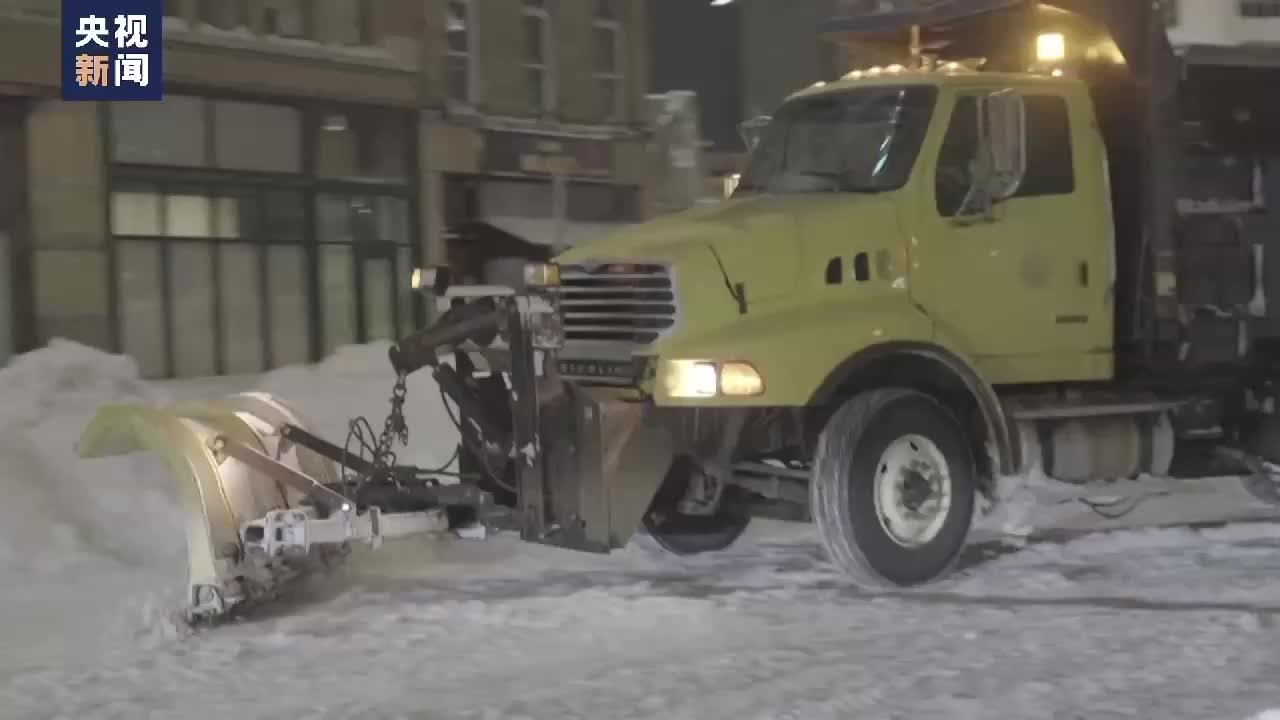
(1146, 623)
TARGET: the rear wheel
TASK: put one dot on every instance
(1266, 444)
(893, 488)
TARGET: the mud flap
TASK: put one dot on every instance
(604, 458)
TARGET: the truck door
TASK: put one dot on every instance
(1021, 293)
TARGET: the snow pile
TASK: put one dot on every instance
(61, 513)
(95, 548)
(91, 551)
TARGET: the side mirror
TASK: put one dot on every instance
(1000, 163)
(1004, 125)
(752, 130)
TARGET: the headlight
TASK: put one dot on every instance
(738, 379)
(691, 379)
(428, 278)
(705, 379)
(542, 275)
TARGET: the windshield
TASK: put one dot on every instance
(863, 140)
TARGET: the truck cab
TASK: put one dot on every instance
(866, 216)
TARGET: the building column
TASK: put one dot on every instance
(444, 149)
(15, 288)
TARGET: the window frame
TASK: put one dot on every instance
(545, 65)
(1258, 9)
(162, 186)
(468, 57)
(783, 119)
(972, 94)
(360, 117)
(614, 26)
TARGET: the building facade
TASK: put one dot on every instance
(742, 59)
(307, 155)
(1223, 24)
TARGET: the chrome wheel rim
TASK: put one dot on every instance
(912, 491)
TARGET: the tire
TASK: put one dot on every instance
(666, 532)
(871, 436)
(1266, 445)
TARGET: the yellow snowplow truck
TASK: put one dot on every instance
(1027, 248)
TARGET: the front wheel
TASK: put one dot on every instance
(893, 488)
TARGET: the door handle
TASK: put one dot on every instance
(1084, 274)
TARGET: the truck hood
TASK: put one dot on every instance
(758, 239)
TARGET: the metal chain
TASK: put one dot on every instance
(395, 426)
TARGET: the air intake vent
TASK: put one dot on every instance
(618, 303)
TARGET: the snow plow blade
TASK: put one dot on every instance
(266, 499)
(255, 504)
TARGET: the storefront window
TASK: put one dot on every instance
(141, 305)
(333, 219)
(170, 132)
(284, 217)
(407, 297)
(379, 298)
(257, 137)
(135, 213)
(191, 285)
(338, 296)
(288, 305)
(363, 218)
(392, 220)
(364, 144)
(187, 215)
(215, 267)
(227, 212)
(602, 203)
(241, 307)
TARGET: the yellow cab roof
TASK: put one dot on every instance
(936, 78)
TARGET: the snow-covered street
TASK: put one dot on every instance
(1168, 623)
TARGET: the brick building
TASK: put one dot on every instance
(307, 155)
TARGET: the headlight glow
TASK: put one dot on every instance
(705, 379)
(739, 379)
(542, 275)
(423, 278)
(691, 379)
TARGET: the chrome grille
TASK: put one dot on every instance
(618, 303)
